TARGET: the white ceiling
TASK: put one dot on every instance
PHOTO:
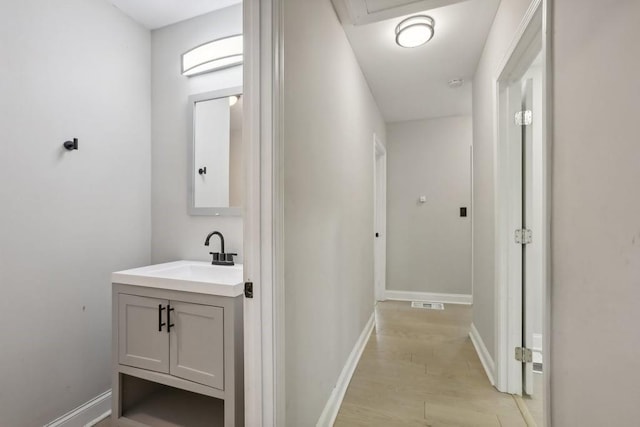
(159, 13)
(411, 84)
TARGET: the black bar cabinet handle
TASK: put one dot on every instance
(160, 323)
(169, 324)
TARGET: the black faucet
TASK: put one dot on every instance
(219, 258)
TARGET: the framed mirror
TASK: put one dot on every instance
(216, 174)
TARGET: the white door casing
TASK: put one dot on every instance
(526, 45)
(532, 37)
(263, 214)
(380, 217)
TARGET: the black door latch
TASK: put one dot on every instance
(248, 289)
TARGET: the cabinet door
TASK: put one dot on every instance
(141, 343)
(197, 343)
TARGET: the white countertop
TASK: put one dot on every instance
(186, 276)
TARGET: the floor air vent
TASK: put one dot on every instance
(427, 305)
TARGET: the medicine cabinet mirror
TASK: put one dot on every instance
(216, 175)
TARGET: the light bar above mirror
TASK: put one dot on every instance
(212, 56)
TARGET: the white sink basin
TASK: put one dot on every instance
(190, 276)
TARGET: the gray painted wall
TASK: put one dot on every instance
(429, 245)
(176, 234)
(596, 214)
(77, 68)
(508, 17)
(329, 120)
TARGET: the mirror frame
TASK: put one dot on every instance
(193, 210)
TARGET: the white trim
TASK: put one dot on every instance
(263, 213)
(472, 216)
(508, 295)
(519, 34)
(330, 411)
(276, 196)
(380, 218)
(547, 78)
(429, 296)
(508, 326)
(483, 354)
(96, 420)
(87, 414)
(253, 373)
(537, 342)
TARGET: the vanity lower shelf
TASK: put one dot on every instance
(145, 403)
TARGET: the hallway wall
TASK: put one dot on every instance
(509, 16)
(596, 214)
(429, 244)
(329, 120)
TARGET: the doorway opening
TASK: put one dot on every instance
(522, 226)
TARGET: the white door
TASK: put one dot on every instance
(143, 341)
(514, 189)
(380, 218)
(197, 343)
(534, 220)
(528, 262)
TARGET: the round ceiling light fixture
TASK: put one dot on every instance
(414, 31)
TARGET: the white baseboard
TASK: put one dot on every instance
(87, 414)
(98, 419)
(483, 354)
(330, 412)
(429, 296)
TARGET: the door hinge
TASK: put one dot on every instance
(523, 236)
(248, 289)
(524, 355)
(524, 118)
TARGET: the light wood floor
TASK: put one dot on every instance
(419, 368)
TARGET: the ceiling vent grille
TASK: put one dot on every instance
(427, 305)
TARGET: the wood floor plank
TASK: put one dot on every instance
(423, 359)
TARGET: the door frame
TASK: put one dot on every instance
(508, 296)
(263, 233)
(380, 218)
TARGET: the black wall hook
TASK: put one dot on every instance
(71, 145)
(202, 171)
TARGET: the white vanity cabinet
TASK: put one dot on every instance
(177, 358)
